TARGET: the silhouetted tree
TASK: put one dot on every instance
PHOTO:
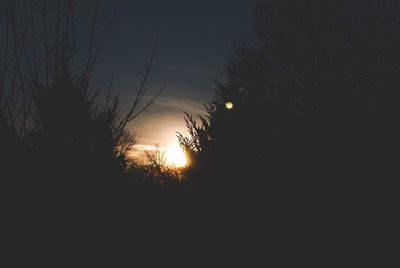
(313, 97)
(72, 138)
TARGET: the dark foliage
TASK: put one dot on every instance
(64, 147)
(314, 102)
(67, 137)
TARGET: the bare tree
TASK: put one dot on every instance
(14, 98)
(45, 89)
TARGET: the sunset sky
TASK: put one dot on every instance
(193, 38)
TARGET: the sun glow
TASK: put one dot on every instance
(175, 156)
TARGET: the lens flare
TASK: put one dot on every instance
(229, 105)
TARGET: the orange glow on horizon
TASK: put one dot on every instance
(172, 155)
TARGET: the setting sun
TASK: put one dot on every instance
(175, 156)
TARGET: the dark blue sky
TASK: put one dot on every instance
(193, 38)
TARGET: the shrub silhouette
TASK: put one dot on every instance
(153, 170)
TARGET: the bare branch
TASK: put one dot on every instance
(134, 110)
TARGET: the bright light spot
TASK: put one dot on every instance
(229, 105)
(175, 156)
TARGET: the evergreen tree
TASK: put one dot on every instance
(313, 97)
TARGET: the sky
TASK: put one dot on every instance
(193, 40)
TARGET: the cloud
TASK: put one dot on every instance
(180, 105)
